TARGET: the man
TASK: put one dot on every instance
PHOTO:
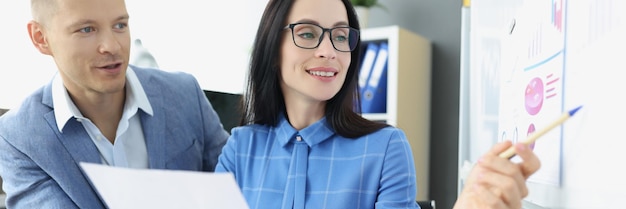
(99, 109)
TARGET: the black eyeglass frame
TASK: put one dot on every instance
(324, 30)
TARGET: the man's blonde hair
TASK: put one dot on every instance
(43, 10)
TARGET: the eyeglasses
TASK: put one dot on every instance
(309, 36)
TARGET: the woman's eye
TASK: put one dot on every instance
(306, 35)
(341, 38)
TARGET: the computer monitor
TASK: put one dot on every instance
(227, 106)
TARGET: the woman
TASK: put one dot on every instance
(303, 145)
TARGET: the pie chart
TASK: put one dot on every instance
(534, 96)
(531, 129)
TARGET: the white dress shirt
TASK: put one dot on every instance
(129, 149)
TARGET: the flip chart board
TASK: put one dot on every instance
(528, 62)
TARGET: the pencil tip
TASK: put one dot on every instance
(573, 111)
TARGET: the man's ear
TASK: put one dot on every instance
(38, 37)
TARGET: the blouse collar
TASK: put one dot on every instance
(312, 135)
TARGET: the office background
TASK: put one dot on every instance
(440, 22)
(558, 55)
(437, 20)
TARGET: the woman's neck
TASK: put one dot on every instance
(302, 114)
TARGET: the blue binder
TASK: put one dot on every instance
(366, 65)
(374, 98)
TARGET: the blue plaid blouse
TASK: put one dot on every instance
(281, 167)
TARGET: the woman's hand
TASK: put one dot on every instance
(495, 182)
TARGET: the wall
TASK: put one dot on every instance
(185, 40)
(440, 22)
(24, 69)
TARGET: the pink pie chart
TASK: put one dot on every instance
(531, 129)
(534, 96)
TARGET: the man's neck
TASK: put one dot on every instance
(104, 110)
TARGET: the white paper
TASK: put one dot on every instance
(2, 199)
(153, 188)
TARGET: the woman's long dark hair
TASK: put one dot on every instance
(263, 101)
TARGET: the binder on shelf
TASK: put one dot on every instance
(374, 98)
(366, 65)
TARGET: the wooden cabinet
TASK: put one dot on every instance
(408, 92)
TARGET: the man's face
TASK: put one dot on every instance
(90, 43)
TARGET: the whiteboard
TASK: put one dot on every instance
(572, 49)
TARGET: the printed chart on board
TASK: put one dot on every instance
(532, 60)
(531, 93)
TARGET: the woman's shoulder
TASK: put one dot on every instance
(250, 137)
(389, 130)
(390, 134)
(250, 129)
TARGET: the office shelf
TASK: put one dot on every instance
(408, 92)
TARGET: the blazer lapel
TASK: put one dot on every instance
(79, 148)
(154, 125)
(74, 137)
(74, 146)
(154, 132)
(77, 142)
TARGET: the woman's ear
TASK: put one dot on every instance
(38, 37)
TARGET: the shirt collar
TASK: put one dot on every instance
(137, 93)
(65, 109)
(312, 135)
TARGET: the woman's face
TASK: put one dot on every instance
(314, 75)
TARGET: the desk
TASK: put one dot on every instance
(426, 204)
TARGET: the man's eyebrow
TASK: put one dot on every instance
(123, 17)
(89, 21)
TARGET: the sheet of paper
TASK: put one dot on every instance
(2, 199)
(153, 188)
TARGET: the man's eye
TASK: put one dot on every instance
(121, 25)
(86, 30)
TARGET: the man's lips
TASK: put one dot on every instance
(111, 66)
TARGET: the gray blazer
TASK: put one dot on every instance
(39, 164)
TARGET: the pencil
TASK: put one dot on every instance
(509, 153)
